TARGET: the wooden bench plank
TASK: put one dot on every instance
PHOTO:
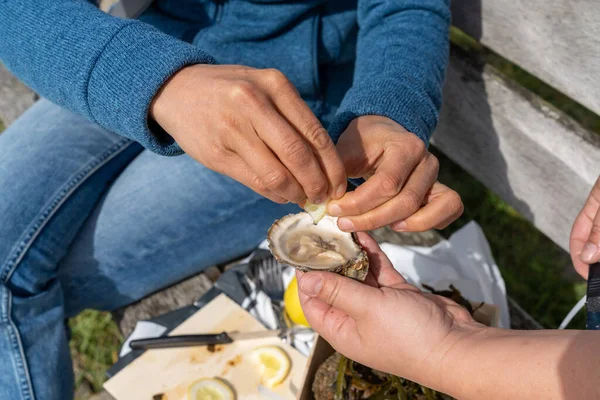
(15, 97)
(532, 155)
(556, 40)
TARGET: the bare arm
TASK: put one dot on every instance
(504, 364)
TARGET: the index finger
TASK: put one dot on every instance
(385, 184)
(298, 114)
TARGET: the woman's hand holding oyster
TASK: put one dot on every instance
(389, 325)
(384, 322)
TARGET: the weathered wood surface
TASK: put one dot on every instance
(556, 40)
(536, 158)
(15, 97)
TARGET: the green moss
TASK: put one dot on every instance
(95, 344)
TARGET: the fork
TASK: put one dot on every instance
(267, 274)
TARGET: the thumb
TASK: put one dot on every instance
(591, 250)
(345, 294)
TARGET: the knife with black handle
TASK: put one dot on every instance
(180, 341)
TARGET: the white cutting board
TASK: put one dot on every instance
(172, 370)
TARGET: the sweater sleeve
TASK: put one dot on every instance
(401, 61)
(105, 68)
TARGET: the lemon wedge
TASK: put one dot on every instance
(210, 389)
(274, 364)
(316, 211)
(291, 302)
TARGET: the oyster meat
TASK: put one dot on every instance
(296, 241)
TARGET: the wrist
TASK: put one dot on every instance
(368, 123)
(460, 348)
(167, 95)
(376, 119)
(378, 128)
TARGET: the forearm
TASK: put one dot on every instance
(104, 68)
(401, 60)
(505, 364)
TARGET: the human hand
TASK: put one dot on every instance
(584, 243)
(400, 187)
(251, 125)
(385, 323)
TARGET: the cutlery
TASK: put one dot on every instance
(212, 338)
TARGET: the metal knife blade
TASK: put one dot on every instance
(210, 339)
(269, 333)
(254, 335)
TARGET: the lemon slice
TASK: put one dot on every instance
(274, 364)
(210, 389)
(292, 305)
(316, 211)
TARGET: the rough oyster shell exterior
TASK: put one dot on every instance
(356, 268)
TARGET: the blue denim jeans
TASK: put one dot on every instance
(89, 219)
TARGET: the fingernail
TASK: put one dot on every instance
(311, 285)
(345, 224)
(588, 253)
(334, 210)
(318, 200)
(339, 192)
(399, 226)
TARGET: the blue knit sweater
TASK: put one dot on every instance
(355, 57)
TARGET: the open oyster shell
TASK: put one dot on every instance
(296, 241)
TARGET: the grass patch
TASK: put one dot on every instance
(1, 126)
(532, 265)
(95, 344)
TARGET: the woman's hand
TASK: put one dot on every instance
(400, 187)
(253, 126)
(386, 324)
(585, 235)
